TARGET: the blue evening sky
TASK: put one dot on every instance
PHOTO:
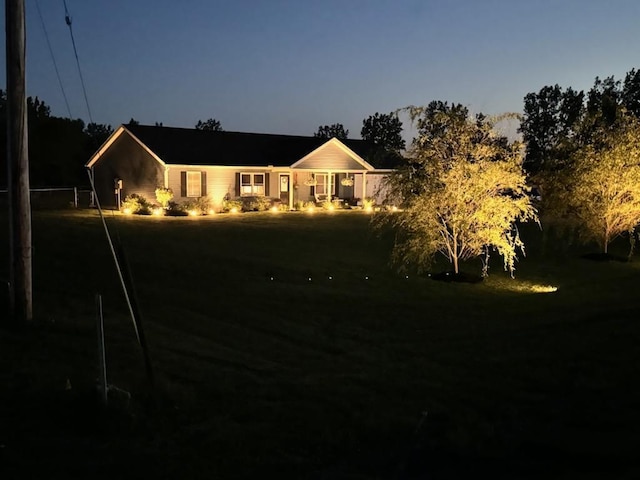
(288, 66)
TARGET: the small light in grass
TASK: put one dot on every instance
(311, 209)
(406, 277)
(309, 279)
(193, 213)
(369, 209)
(211, 211)
(330, 277)
(234, 210)
(274, 209)
(394, 208)
(331, 208)
(127, 211)
(271, 278)
(157, 211)
(366, 277)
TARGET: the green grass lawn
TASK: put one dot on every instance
(263, 372)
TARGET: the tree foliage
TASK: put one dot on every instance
(330, 131)
(559, 121)
(599, 192)
(462, 191)
(384, 130)
(211, 125)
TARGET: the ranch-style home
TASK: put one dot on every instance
(226, 165)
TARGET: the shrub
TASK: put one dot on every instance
(256, 204)
(175, 210)
(136, 204)
(164, 196)
(229, 205)
(197, 206)
(368, 203)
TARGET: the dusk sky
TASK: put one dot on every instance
(286, 67)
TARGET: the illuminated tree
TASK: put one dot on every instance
(462, 191)
(601, 194)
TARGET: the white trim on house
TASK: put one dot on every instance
(194, 188)
(112, 138)
(252, 185)
(334, 142)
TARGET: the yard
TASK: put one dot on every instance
(284, 346)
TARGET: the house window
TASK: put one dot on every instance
(194, 184)
(321, 184)
(252, 183)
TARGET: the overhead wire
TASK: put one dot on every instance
(67, 19)
(53, 58)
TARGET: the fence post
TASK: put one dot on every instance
(75, 197)
(101, 350)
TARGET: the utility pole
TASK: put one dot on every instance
(20, 288)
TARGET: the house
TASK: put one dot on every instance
(219, 165)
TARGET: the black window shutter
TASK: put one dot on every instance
(183, 184)
(237, 184)
(203, 178)
(312, 190)
(266, 184)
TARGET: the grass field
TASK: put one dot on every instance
(262, 372)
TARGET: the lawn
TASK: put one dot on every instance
(285, 346)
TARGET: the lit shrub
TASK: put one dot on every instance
(164, 196)
(197, 206)
(136, 204)
(175, 210)
(256, 204)
(229, 205)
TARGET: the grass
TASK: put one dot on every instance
(261, 372)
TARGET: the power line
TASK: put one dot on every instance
(55, 65)
(67, 19)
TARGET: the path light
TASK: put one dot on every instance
(311, 209)
(369, 208)
(274, 209)
(127, 211)
(394, 208)
(193, 213)
(233, 210)
(211, 211)
(157, 211)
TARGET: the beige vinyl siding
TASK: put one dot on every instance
(330, 157)
(220, 181)
(374, 181)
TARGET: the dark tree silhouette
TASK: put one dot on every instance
(329, 131)
(384, 130)
(211, 125)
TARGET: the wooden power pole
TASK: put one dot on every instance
(20, 288)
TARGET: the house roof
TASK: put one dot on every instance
(198, 147)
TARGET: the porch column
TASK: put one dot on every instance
(328, 185)
(291, 188)
(166, 177)
(364, 186)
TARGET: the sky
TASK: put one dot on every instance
(288, 66)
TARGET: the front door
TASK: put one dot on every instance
(285, 182)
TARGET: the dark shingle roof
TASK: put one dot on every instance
(197, 147)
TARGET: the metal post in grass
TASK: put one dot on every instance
(127, 287)
(101, 350)
(75, 197)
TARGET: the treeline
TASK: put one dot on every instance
(58, 147)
